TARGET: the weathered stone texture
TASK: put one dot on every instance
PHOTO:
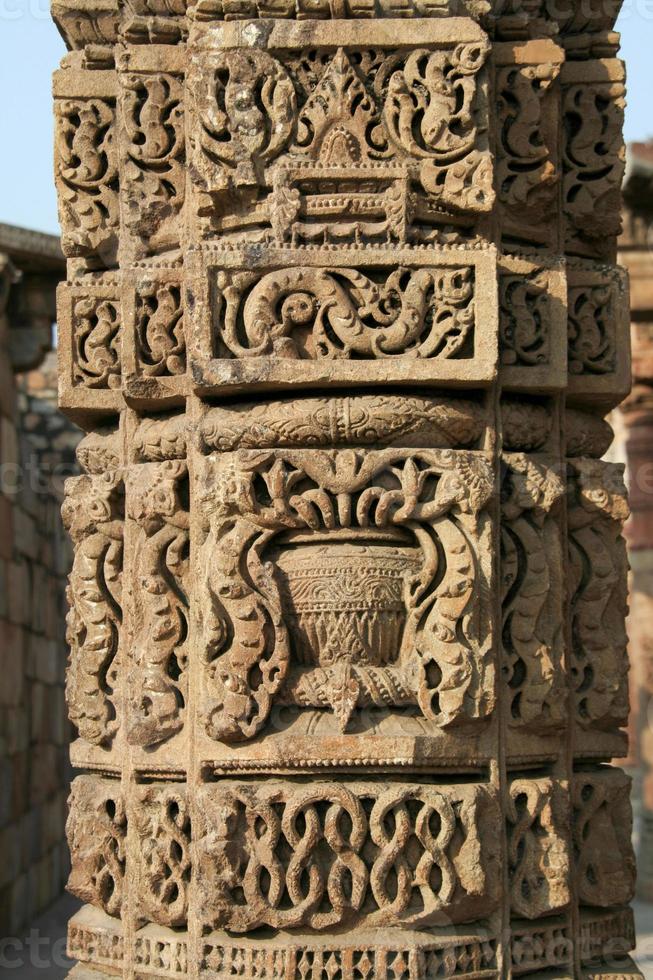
(342, 321)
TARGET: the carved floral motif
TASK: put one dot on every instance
(287, 141)
(158, 680)
(93, 513)
(404, 501)
(153, 175)
(86, 170)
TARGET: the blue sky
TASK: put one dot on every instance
(30, 49)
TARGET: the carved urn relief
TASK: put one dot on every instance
(345, 601)
(347, 653)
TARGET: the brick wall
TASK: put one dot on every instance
(36, 452)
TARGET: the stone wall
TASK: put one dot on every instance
(35, 445)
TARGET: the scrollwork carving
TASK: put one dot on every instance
(593, 153)
(153, 185)
(343, 313)
(527, 171)
(597, 508)
(158, 680)
(86, 169)
(160, 336)
(93, 513)
(525, 319)
(97, 339)
(592, 335)
(531, 579)
(431, 112)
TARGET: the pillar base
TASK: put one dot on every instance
(465, 952)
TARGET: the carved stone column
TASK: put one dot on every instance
(348, 658)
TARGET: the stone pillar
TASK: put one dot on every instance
(348, 658)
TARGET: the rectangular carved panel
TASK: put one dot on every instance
(324, 855)
(86, 165)
(528, 165)
(152, 147)
(299, 317)
(598, 589)
(373, 599)
(90, 324)
(353, 141)
(593, 154)
(532, 324)
(602, 826)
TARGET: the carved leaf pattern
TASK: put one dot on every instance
(158, 680)
(93, 513)
(86, 170)
(153, 187)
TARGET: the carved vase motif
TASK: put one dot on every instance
(346, 601)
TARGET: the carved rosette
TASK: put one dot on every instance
(347, 648)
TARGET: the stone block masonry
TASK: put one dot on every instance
(342, 322)
(35, 558)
